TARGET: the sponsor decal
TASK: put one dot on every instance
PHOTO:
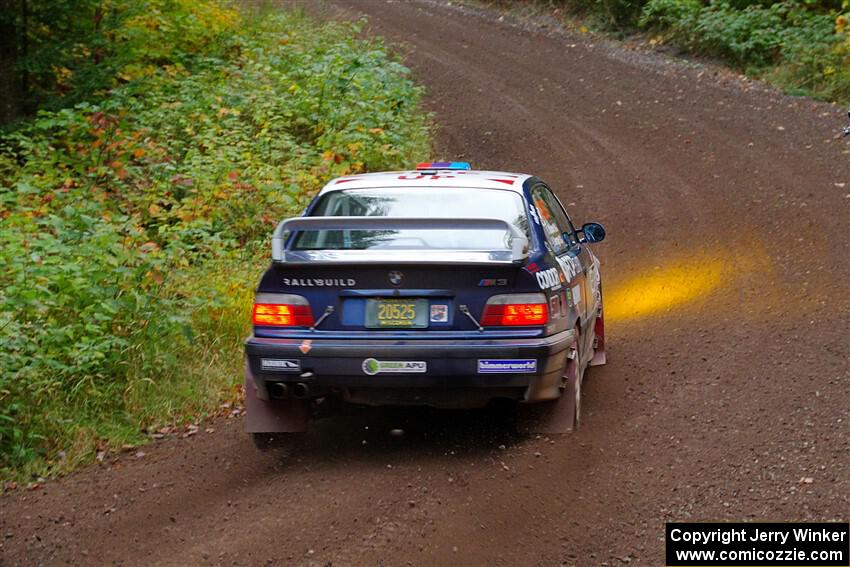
(533, 212)
(489, 282)
(319, 282)
(571, 266)
(306, 346)
(507, 366)
(280, 364)
(371, 366)
(548, 279)
(439, 313)
(576, 289)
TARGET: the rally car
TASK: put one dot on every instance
(440, 286)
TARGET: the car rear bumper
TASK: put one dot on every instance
(353, 367)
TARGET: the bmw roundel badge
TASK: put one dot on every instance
(395, 277)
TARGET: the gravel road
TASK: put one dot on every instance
(727, 390)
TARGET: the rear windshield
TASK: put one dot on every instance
(426, 202)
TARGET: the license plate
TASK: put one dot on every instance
(397, 313)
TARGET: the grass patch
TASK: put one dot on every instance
(801, 46)
(134, 225)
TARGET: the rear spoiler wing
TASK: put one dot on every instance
(518, 244)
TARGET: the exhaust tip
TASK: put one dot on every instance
(278, 390)
(300, 390)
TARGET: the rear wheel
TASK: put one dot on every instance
(288, 443)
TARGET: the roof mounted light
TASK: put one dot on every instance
(456, 165)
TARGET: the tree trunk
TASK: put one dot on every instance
(11, 94)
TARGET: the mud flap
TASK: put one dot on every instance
(272, 416)
(556, 416)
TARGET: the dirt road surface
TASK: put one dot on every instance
(726, 394)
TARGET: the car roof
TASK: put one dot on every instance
(432, 178)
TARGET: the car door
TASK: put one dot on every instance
(562, 239)
(590, 267)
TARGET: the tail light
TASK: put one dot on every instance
(516, 310)
(281, 310)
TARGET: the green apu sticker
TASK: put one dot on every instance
(371, 366)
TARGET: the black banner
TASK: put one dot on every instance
(742, 544)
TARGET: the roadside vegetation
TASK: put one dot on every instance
(161, 141)
(802, 46)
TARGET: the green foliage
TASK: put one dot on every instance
(613, 14)
(678, 19)
(793, 43)
(816, 59)
(802, 46)
(134, 226)
(74, 50)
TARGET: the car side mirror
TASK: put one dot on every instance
(592, 232)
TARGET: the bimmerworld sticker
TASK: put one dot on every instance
(280, 365)
(507, 366)
(371, 366)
